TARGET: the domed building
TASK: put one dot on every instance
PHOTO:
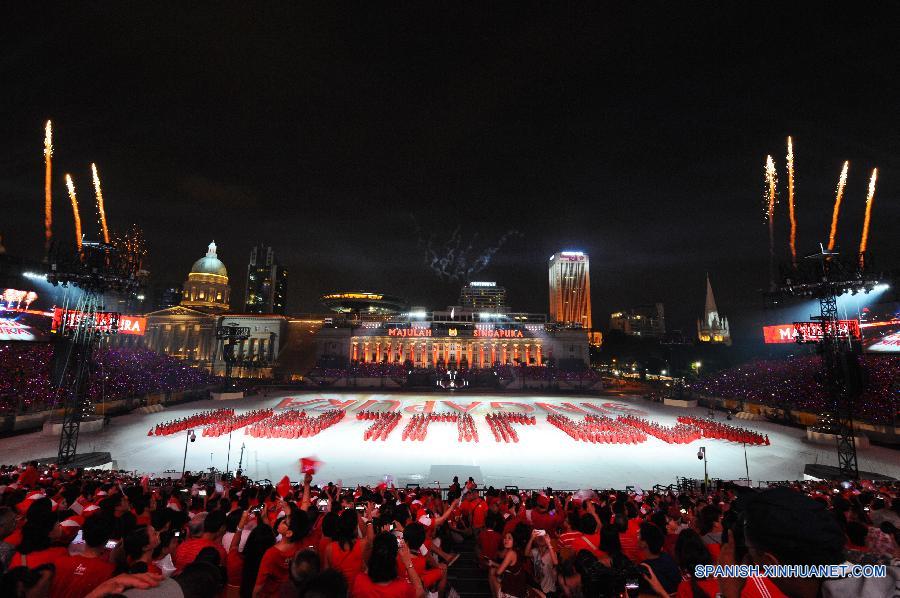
(207, 287)
(191, 331)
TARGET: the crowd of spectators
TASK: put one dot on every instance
(587, 376)
(797, 383)
(26, 375)
(77, 533)
(500, 372)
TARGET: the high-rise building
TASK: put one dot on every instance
(266, 283)
(570, 289)
(713, 328)
(169, 296)
(642, 320)
(483, 296)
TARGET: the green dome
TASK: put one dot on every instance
(210, 263)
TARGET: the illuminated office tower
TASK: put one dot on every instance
(570, 289)
(483, 296)
(266, 283)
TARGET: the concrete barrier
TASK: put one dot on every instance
(54, 428)
(862, 442)
(679, 403)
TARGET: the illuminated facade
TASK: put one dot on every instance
(364, 304)
(207, 287)
(182, 332)
(455, 338)
(266, 283)
(570, 289)
(713, 328)
(483, 296)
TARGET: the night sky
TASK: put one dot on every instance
(342, 137)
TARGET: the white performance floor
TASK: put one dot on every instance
(545, 456)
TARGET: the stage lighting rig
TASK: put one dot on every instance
(826, 275)
(96, 269)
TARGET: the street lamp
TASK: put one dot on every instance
(697, 365)
(701, 454)
(190, 436)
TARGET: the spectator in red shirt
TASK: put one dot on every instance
(588, 537)
(76, 576)
(29, 477)
(381, 580)
(213, 530)
(433, 575)
(348, 553)
(541, 518)
(628, 524)
(38, 535)
(275, 564)
(490, 539)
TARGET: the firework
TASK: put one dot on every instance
(457, 259)
(865, 232)
(100, 208)
(71, 187)
(771, 200)
(842, 182)
(793, 217)
(48, 196)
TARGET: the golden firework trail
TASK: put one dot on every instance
(793, 217)
(48, 176)
(772, 199)
(865, 232)
(71, 187)
(842, 182)
(100, 208)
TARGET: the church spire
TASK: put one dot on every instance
(710, 299)
(712, 328)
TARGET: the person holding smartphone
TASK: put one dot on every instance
(382, 578)
(544, 561)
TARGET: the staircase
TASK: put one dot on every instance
(465, 576)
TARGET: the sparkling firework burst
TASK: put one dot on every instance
(71, 187)
(842, 182)
(48, 177)
(864, 241)
(771, 200)
(793, 216)
(100, 209)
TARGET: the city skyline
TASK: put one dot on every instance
(632, 139)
